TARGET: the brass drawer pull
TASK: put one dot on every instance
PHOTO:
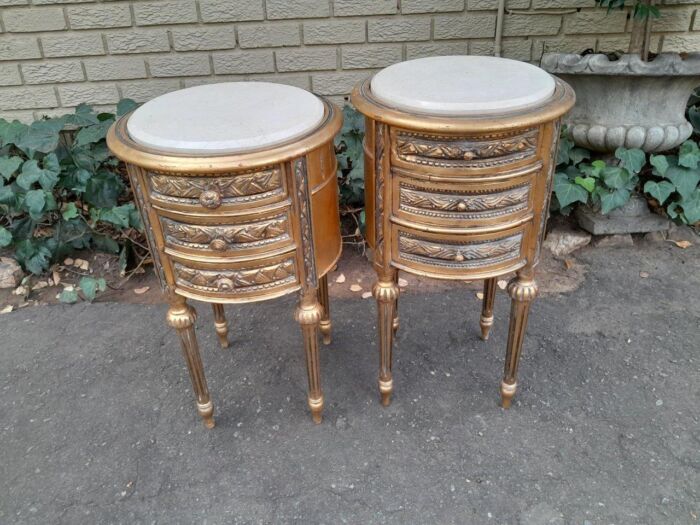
(210, 199)
(224, 284)
(461, 206)
(218, 245)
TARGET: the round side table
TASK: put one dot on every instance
(459, 155)
(236, 185)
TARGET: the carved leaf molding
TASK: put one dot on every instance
(468, 204)
(233, 280)
(194, 235)
(477, 253)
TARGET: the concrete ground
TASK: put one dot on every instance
(97, 422)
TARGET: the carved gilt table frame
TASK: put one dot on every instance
(462, 198)
(237, 228)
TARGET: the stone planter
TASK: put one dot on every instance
(633, 217)
(627, 102)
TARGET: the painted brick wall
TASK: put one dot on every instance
(55, 54)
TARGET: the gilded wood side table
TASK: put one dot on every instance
(459, 155)
(236, 184)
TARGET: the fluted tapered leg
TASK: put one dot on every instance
(308, 315)
(182, 317)
(386, 292)
(395, 322)
(220, 324)
(522, 290)
(325, 323)
(486, 321)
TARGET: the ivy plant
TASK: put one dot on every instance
(350, 155)
(61, 190)
(676, 183)
(603, 185)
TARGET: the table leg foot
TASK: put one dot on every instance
(182, 317)
(325, 322)
(220, 324)
(308, 315)
(522, 290)
(486, 320)
(386, 292)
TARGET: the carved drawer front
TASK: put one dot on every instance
(257, 235)
(264, 277)
(461, 204)
(236, 190)
(485, 151)
(464, 255)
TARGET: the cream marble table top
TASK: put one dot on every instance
(225, 118)
(462, 85)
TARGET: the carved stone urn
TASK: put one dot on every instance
(627, 102)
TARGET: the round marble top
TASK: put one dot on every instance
(462, 85)
(222, 118)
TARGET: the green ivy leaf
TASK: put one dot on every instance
(125, 105)
(567, 192)
(685, 180)
(689, 154)
(614, 199)
(118, 215)
(34, 202)
(89, 287)
(83, 116)
(579, 154)
(660, 163)
(103, 189)
(631, 159)
(563, 153)
(9, 165)
(70, 211)
(5, 237)
(694, 117)
(68, 296)
(586, 182)
(33, 255)
(615, 177)
(10, 132)
(659, 190)
(41, 136)
(691, 207)
(94, 133)
(30, 174)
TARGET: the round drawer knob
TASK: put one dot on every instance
(459, 257)
(210, 199)
(224, 284)
(461, 206)
(218, 245)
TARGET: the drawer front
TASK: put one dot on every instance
(496, 149)
(463, 256)
(461, 204)
(261, 277)
(258, 234)
(238, 190)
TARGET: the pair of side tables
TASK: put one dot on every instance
(236, 184)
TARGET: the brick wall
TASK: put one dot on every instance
(55, 54)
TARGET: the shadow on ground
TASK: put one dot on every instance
(97, 423)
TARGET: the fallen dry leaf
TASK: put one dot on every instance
(20, 290)
(569, 263)
(340, 278)
(367, 295)
(40, 285)
(479, 295)
(355, 288)
(403, 283)
(68, 261)
(7, 309)
(644, 275)
(682, 244)
(139, 291)
(56, 277)
(502, 284)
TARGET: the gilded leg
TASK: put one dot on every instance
(395, 322)
(486, 320)
(308, 315)
(181, 317)
(386, 292)
(522, 290)
(325, 323)
(220, 324)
